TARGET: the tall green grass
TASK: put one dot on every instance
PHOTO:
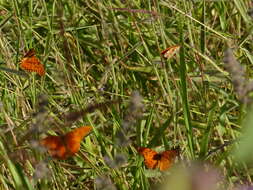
(94, 52)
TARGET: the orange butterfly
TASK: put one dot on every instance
(170, 51)
(62, 147)
(162, 161)
(31, 63)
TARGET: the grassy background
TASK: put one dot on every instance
(94, 53)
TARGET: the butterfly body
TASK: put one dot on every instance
(31, 63)
(154, 160)
(62, 147)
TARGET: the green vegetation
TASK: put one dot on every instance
(102, 51)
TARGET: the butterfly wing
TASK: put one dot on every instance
(73, 139)
(55, 146)
(32, 64)
(149, 157)
(30, 53)
(169, 52)
(167, 159)
(62, 147)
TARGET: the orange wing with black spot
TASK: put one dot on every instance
(32, 64)
(149, 155)
(55, 146)
(162, 161)
(62, 147)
